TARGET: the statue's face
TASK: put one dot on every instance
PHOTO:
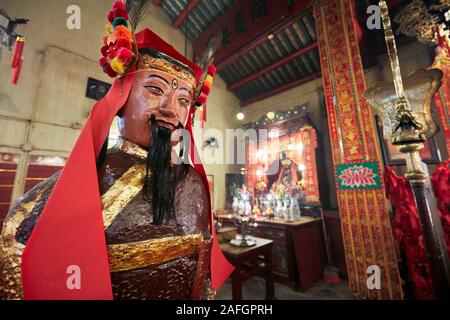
(154, 93)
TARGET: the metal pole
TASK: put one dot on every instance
(406, 136)
(429, 221)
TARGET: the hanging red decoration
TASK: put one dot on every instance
(17, 59)
(16, 72)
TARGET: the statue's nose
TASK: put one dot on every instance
(168, 108)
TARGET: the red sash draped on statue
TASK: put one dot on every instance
(70, 231)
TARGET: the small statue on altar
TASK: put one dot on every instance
(288, 174)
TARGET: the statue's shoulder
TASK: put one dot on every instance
(195, 179)
(22, 217)
(17, 228)
(114, 165)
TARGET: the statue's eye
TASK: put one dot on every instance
(155, 90)
(184, 102)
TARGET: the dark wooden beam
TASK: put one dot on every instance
(183, 15)
(273, 66)
(280, 89)
(261, 39)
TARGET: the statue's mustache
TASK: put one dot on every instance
(161, 177)
(154, 122)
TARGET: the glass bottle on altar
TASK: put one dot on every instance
(279, 209)
(287, 210)
(235, 205)
(295, 210)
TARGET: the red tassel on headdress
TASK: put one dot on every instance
(204, 114)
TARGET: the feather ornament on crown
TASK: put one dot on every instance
(118, 43)
(209, 71)
(206, 86)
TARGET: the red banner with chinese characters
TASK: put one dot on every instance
(365, 223)
(307, 137)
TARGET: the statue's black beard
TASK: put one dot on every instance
(161, 178)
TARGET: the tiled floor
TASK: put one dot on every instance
(254, 289)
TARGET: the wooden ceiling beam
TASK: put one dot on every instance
(261, 39)
(273, 66)
(280, 89)
(184, 14)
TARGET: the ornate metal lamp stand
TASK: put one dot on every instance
(407, 120)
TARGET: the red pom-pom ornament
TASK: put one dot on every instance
(212, 70)
(123, 43)
(124, 55)
(102, 61)
(118, 5)
(110, 16)
(201, 99)
(119, 12)
(104, 50)
(109, 71)
(206, 88)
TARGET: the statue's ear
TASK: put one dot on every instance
(121, 110)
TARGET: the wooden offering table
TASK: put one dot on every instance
(298, 248)
(249, 262)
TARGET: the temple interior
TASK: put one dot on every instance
(309, 195)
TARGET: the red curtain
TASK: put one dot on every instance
(407, 230)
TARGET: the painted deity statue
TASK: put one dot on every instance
(125, 222)
(288, 173)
